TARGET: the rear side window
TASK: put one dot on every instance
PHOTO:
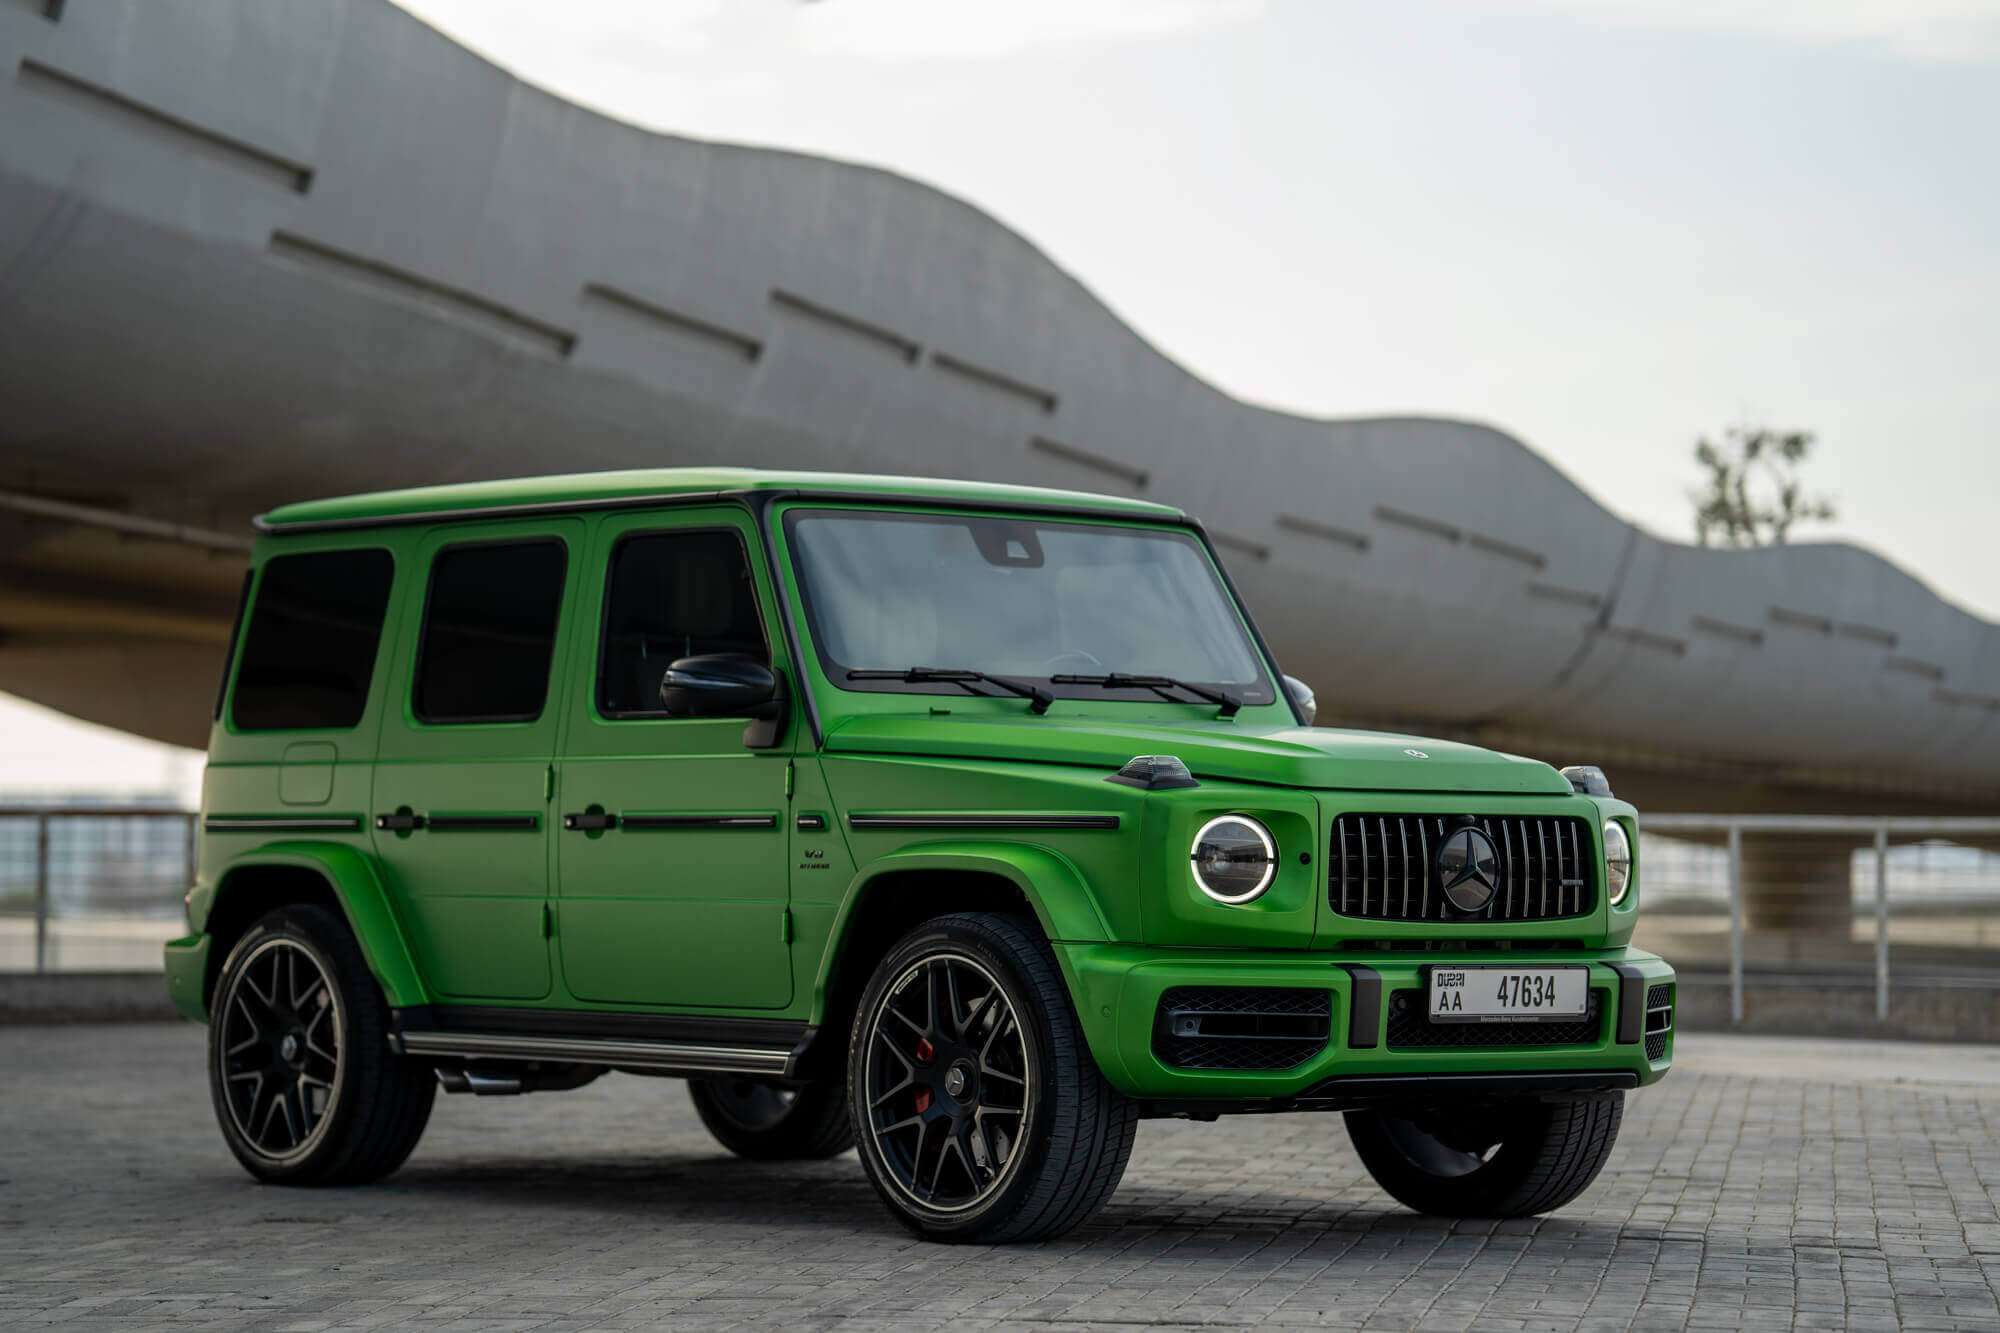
(310, 647)
(673, 595)
(489, 632)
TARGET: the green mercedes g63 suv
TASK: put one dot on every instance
(968, 825)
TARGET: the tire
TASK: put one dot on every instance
(767, 1124)
(1513, 1160)
(304, 1085)
(987, 1121)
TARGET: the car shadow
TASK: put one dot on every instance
(720, 1190)
(714, 1187)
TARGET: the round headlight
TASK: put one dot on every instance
(1234, 859)
(1617, 860)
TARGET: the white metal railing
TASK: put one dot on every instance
(121, 870)
(1874, 832)
(103, 886)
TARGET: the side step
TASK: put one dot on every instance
(669, 1057)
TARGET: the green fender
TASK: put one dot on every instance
(351, 875)
(1050, 882)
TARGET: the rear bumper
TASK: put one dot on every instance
(1118, 990)
(187, 975)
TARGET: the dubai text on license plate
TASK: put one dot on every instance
(1508, 994)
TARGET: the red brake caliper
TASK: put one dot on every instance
(925, 1052)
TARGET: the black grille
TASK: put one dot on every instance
(1241, 1027)
(1659, 1019)
(1381, 867)
(1410, 1027)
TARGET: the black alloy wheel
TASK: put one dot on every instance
(979, 1111)
(768, 1123)
(279, 1027)
(948, 1082)
(305, 1086)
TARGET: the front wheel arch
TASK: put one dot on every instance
(328, 875)
(894, 894)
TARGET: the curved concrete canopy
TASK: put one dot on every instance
(254, 253)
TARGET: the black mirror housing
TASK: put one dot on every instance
(728, 685)
(716, 685)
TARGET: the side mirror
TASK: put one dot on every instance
(1302, 695)
(727, 685)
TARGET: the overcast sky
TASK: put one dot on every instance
(1604, 225)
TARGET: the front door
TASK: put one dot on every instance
(671, 883)
(465, 771)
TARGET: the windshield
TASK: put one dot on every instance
(1028, 599)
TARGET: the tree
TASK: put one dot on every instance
(1752, 496)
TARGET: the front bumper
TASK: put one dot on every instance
(1118, 988)
(187, 975)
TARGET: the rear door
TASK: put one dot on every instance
(672, 886)
(465, 763)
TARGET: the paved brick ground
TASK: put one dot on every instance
(1836, 1189)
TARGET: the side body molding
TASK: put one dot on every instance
(351, 875)
(1051, 883)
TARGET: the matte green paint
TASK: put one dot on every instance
(756, 923)
(187, 975)
(1282, 755)
(473, 901)
(685, 917)
(1118, 988)
(1055, 890)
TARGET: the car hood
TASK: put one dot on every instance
(1320, 757)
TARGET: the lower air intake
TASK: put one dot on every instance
(1659, 1020)
(1241, 1027)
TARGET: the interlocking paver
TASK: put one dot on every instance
(1734, 1200)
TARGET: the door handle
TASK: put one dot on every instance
(590, 823)
(399, 823)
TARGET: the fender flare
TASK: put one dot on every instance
(356, 886)
(1054, 888)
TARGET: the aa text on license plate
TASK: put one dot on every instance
(1507, 994)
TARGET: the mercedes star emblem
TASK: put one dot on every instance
(1468, 869)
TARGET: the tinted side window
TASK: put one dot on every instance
(489, 632)
(310, 647)
(672, 595)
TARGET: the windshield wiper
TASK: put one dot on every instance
(1118, 680)
(961, 676)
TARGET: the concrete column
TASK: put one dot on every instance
(1799, 884)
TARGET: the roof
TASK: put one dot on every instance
(639, 486)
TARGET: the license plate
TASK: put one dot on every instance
(1508, 994)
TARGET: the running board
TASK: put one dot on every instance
(677, 1057)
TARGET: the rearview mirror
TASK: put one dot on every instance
(726, 685)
